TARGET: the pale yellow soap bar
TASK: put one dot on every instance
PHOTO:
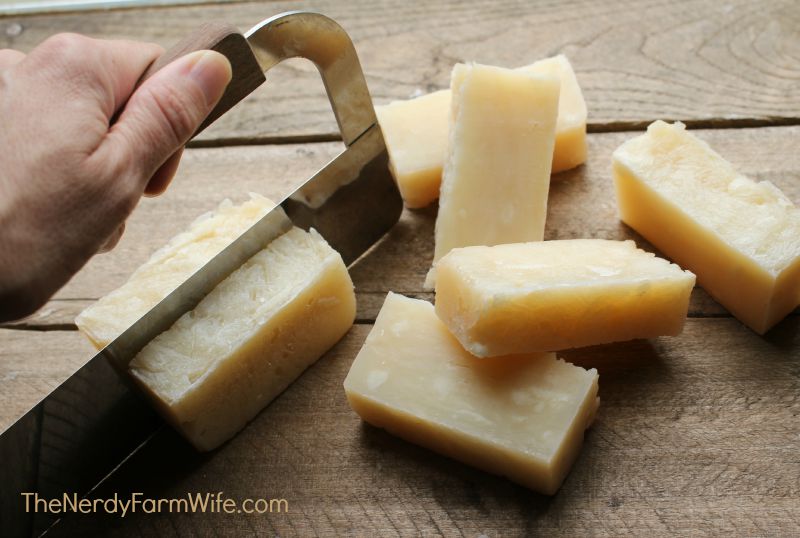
(570, 146)
(245, 342)
(740, 237)
(497, 173)
(521, 416)
(416, 133)
(169, 267)
(553, 295)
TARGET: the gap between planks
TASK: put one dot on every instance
(365, 320)
(592, 128)
(581, 205)
(712, 64)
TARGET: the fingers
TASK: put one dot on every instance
(163, 176)
(113, 239)
(10, 58)
(127, 62)
(89, 70)
(166, 110)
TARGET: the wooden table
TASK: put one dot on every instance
(697, 434)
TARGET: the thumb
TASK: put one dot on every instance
(167, 109)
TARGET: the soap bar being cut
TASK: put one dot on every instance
(168, 267)
(497, 173)
(740, 237)
(553, 295)
(247, 340)
(519, 416)
(416, 132)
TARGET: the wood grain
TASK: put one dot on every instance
(709, 63)
(696, 435)
(582, 204)
(34, 363)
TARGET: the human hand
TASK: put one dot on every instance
(80, 144)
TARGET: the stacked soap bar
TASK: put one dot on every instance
(248, 339)
(554, 295)
(519, 416)
(168, 267)
(497, 174)
(416, 133)
(741, 237)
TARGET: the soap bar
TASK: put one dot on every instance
(247, 340)
(553, 295)
(740, 237)
(497, 173)
(168, 267)
(520, 416)
(570, 146)
(416, 133)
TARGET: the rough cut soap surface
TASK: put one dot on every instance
(168, 267)
(416, 133)
(245, 342)
(520, 416)
(740, 237)
(497, 173)
(552, 295)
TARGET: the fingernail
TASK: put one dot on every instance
(212, 73)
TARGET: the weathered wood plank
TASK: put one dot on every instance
(696, 434)
(28, 7)
(60, 314)
(32, 363)
(707, 62)
(582, 204)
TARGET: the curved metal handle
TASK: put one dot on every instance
(321, 40)
(294, 34)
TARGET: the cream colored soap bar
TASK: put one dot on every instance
(416, 133)
(741, 237)
(168, 267)
(497, 174)
(553, 295)
(520, 416)
(246, 341)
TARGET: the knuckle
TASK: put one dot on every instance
(68, 59)
(66, 44)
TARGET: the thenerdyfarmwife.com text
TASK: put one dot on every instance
(137, 503)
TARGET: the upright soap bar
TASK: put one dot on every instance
(552, 295)
(497, 173)
(416, 133)
(168, 267)
(741, 237)
(521, 416)
(246, 341)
